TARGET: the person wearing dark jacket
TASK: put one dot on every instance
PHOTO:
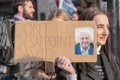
(107, 66)
(23, 10)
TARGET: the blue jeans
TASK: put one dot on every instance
(26, 78)
(9, 78)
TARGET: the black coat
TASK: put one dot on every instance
(92, 74)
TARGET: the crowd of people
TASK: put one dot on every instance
(107, 66)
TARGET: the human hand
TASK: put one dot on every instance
(51, 76)
(65, 64)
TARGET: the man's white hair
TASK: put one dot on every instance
(79, 31)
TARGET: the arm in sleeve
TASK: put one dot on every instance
(73, 77)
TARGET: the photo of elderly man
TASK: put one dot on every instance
(84, 45)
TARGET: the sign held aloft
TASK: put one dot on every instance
(47, 40)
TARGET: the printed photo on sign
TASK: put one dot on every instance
(47, 40)
(84, 41)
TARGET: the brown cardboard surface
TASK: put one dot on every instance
(47, 40)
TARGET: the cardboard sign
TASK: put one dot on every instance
(47, 40)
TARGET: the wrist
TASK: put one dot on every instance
(72, 73)
(73, 77)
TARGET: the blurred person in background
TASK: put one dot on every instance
(84, 4)
(23, 10)
(58, 15)
(75, 16)
(40, 72)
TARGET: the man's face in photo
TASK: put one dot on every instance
(84, 40)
